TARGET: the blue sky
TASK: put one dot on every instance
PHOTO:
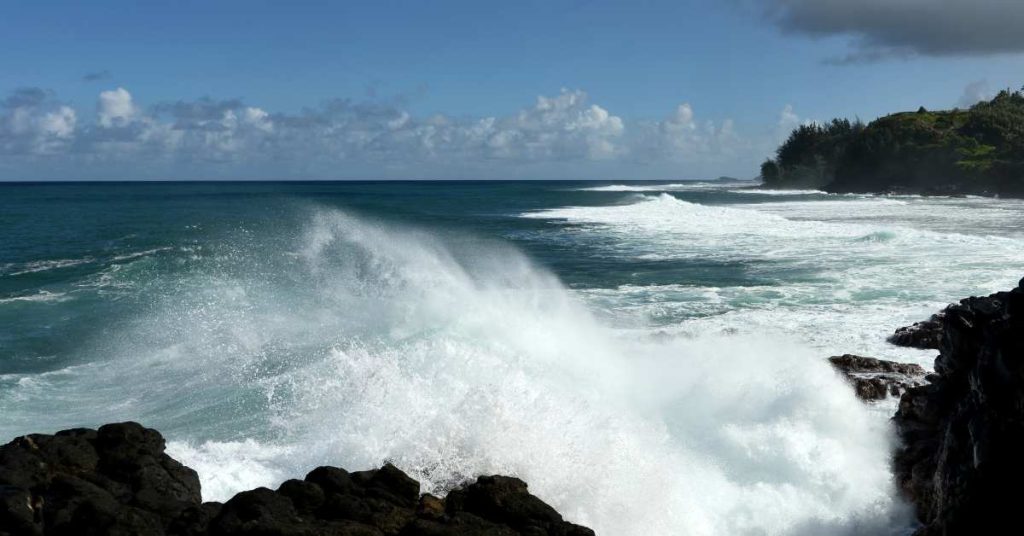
(655, 89)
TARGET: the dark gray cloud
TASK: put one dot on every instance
(880, 29)
(202, 114)
(97, 76)
(26, 97)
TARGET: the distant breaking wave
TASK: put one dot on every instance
(694, 185)
(850, 282)
(762, 191)
(14, 269)
(41, 296)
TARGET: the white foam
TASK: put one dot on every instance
(860, 266)
(677, 186)
(664, 224)
(668, 213)
(227, 467)
(764, 191)
(14, 269)
(137, 254)
(43, 296)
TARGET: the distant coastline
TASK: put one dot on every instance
(978, 151)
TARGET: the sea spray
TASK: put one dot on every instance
(453, 357)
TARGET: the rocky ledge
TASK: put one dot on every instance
(925, 335)
(876, 379)
(962, 456)
(117, 480)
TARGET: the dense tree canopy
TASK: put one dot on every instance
(976, 151)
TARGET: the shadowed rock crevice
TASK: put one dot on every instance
(118, 480)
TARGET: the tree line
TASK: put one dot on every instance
(979, 150)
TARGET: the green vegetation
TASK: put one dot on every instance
(975, 151)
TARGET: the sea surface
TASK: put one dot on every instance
(650, 357)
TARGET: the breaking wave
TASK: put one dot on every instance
(848, 282)
(353, 342)
(691, 185)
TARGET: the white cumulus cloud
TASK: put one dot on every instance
(210, 137)
(32, 122)
(115, 108)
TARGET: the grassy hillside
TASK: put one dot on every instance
(975, 151)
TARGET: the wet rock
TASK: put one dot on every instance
(961, 461)
(18, 511)
(430, 507)
(876, 379)
(118, 481)
(115, 480)
(307, 497)
(390, 484)
(505, 501)
(925, 335)
(258, 511)
(194, 520)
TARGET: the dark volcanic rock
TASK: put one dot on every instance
(117, 480)
(505, 501)
(875, 379)
(925, 335)
(962, 458)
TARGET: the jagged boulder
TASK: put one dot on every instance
(118, 480)
(925, 335)
(115, 480)
(962, 456)
(876, 379)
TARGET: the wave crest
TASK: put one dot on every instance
(457, 357)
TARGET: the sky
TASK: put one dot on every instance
(674, 90)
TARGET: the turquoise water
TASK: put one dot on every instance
(601, 340)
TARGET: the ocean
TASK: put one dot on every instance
(649, 357)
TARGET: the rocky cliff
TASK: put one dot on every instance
(117, 480)
(962, 457)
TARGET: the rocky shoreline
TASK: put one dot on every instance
(960, 460)
(118, 480)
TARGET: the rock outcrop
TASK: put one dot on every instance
(876, 379)
(925, 335)
(117, 480)
(962, 456)
(113, 480)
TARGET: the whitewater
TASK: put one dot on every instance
(650, 358)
